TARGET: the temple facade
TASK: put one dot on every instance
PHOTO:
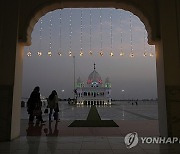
(94, 92)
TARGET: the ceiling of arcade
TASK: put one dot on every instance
(32, 10)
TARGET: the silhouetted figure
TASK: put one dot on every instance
(34, 106)
(69, 101)
(136, 103)
(53, 105)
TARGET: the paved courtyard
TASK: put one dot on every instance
(53, 138)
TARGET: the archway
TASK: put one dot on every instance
(148, 19)
(28, 11)
(65, 19)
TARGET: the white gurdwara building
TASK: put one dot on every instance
(95, 92)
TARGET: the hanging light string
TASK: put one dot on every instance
(40, 38)
(81, 43)
(145, 53)
(29, 54)
(151, 52)
(50, 35)
(70, 33)
(132, 53)
(90, 31)
(111, 36)
(60, 27)
(100, 17)
(121, 35)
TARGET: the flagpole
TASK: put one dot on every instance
(74, 74)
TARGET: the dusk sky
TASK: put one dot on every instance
(136, 76)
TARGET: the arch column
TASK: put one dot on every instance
(11, 71)
(168, 68)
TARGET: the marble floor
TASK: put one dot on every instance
(55, 137)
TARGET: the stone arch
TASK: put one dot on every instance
(145, 13)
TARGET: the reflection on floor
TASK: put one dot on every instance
(141, 118)
(143, 128)
(82, 145)
(53, 137)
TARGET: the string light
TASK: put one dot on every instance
(81, 52)
(121, 52)
(60, 18)
(39, 53)
(132, 53)
(100, 17)
(111, 53)
(101, 53)
(151, 53)
(70, 32)
(29, 52)
(59, 53)
(49, 53)
(70, 53)
(50, 35)
(145, 53)
(90, 30)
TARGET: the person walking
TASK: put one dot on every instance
(34, 106)
(53, 105)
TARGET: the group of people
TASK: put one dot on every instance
(34, 105)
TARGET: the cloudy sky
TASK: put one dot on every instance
(136, 76)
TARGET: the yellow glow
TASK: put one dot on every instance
(29, 54)
(131, 55)
(122, 54)
(90, 52)
(145, 54)
(151, 55)
(70, 53)
(101, 53)
(81, 53)
(111, 54)
(39, 53)
(59, 53)
(49, 53)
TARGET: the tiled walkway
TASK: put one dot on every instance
(82, 145)
(143, 128)
(59, 138)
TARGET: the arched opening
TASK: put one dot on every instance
(28, 14)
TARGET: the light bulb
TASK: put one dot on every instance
(111, 54)
(39, 53)
(101, 53)
(131, 55)
(121, 54)
(59, 53)
(49, 53)
(70, 53)
(29, 54)
(90, 52)
(151, 55)
(145, 54)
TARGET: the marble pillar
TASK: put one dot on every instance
(11, 71)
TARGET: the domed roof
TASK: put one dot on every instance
(94, 77)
